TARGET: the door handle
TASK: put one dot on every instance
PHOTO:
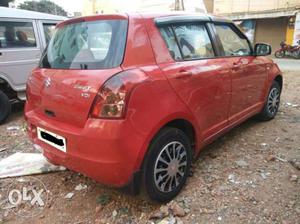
(0, 53)
(183, 74)
(236, 65)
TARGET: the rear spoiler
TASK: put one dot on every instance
(93, 18)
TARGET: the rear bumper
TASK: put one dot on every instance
(108, 151)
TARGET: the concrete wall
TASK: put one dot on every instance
(238, 6)
(271, 31)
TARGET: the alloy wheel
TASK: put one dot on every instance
(170, 167)
(273, 101)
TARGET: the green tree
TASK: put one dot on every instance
(5, 2)
(43, 6)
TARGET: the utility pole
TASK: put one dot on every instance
(94, 6)
(248, 6)
(176, 5)
(179, 5)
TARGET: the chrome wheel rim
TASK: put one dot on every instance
(273, 101)
(170, 167)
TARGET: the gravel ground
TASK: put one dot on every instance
(251, 175)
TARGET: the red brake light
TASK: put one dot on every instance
(112, 98)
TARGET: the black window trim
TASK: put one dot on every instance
(183, 23)
(214, 41)
(177, 42)
(170, 20)
(237, 31)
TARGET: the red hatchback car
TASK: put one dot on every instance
(129, 100)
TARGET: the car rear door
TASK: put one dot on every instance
(20, 50)
(200, 79)
(248, 72)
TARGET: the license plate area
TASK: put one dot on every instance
(52, 139)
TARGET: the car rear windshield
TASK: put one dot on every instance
(86, 45)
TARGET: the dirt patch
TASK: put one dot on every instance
(251, 175)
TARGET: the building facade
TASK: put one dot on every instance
(209, 5)
(270, 21)
(114, 6)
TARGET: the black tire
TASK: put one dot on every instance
(269, 111)
(158, 148)
(5, 107)
(279, 54)
(296, 54)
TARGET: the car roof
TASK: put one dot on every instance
(157, 16)
(161, 18)
(26, 14)
(174, 17)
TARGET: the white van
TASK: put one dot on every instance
(23, 37)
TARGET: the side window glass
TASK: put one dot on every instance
(233, 44)
(49, 29)
(171, 43)
(16, 34)
(194, 41)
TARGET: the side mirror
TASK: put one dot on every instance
(261, 49)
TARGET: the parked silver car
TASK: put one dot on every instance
(23, 37)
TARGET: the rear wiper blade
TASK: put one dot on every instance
(83, 66)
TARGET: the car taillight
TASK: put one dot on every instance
(112, 98)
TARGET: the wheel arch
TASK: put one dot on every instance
(6, 88)
(185, 126)
(278, 78)
(183, 123)
(3, 82)
(4, 78)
